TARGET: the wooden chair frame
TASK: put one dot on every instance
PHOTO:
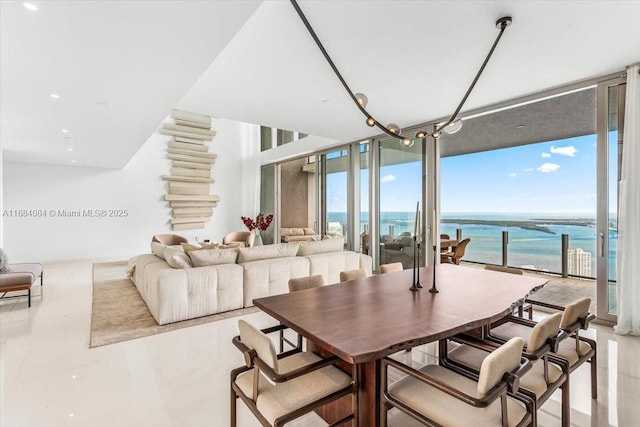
(543, 353)
(252, 361)
(573, 332)
(508, 386)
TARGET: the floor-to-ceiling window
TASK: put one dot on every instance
(335, 193)
(400, 189)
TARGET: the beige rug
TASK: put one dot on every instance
(118, 312)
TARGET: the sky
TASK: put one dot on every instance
(550, 177)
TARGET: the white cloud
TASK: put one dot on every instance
(569, 150)
(388, 178)
(546, 155)
(527, 170)
(548, 167)
(512, 174)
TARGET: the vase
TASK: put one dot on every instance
(258, 240)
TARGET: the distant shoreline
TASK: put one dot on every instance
(533, 225)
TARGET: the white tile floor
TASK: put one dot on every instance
(50, 377)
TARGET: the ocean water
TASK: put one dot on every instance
(527, 248)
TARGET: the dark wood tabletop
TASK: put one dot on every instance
(367, 319)
(364, 320)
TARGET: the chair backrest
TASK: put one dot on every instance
(390, 268)
(352, 274)
(246, 237)
(502, 269)
(544, 329)
(502, 360)
(445, 236)
(257, 340)
(458, 252)
(302, 283)
(575, 311)
(169, 239)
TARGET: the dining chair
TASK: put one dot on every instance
(456, 255)
(523, 307)
(169, 239)
(391, 267)
(309, 282)
(278, 388)
(545, 376)
(359, 273)
(449, 396)
(444, 236)
(575, 350)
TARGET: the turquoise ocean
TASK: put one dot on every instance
(527, 248)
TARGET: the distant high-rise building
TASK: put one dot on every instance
(579, 262)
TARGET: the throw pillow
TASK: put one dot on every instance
(4, 261)
(197, 246)
(157, 249)
(256, 253)
(206, 257)
(176, 258)
(335, 244)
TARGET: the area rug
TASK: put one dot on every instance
(118, 312)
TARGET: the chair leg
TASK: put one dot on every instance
(29, 297)
(566, 404)
(233, 397)
(594, 377)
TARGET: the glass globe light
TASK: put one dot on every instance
(453, 127)
(362, 99)
(406, 142)
(371, 121)
(436, 135)
(394, 128)
(421, 134)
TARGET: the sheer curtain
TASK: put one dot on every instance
(628, 274)
(250, 155)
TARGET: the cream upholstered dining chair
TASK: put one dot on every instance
(309, 282)
(245, 237)
(391, 267)
(279, 388)
(444, 396)
(575, 350)
(545, 376)
(359, 273)
(456, 255)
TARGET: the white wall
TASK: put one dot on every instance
(137, 189)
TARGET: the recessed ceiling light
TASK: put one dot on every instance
(30, 6)
(65, 130)
(69, 149)
(54, 96)
(520, 126)
(325, 101)
(73, 161)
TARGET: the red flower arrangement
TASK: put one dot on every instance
(261, 223)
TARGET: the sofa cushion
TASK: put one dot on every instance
(280, 250)
(309, 231)
(266, 277)
(321, 247)
(204, 257)
(176, 258)
(293, 231)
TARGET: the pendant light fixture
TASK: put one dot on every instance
(451, 126)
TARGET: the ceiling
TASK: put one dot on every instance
(120, 67)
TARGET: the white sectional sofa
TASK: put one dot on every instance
(235, 277)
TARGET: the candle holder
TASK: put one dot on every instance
(433, 288)
(415, 283)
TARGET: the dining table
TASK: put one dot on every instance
(364, 320)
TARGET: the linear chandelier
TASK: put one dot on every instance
(451, 126)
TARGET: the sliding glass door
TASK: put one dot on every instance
(610, 118)
(334, 194)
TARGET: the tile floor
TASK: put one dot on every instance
(50, 377)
